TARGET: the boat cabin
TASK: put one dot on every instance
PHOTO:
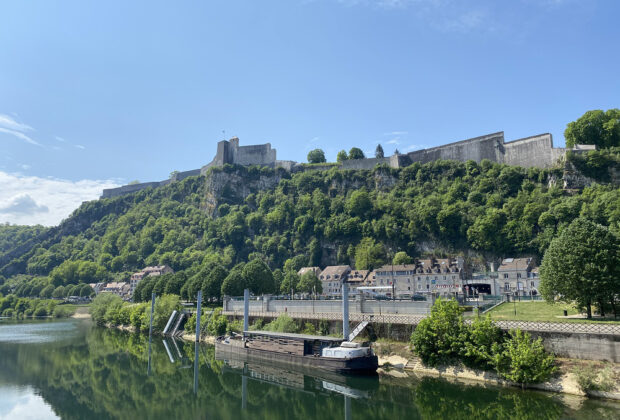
(298, 344)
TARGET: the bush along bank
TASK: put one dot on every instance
(12, 306)
(445, 339)
(110, 310)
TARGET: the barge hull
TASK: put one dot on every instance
(367, 364)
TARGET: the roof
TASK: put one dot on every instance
(357, 275)
(334, 270)
(396, 267)
(513, 264)
(295, 336)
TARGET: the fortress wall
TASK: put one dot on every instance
(182, 175)
(127, 189)
(368, 163)
(255, 155)
(536, 151)
(478, 148)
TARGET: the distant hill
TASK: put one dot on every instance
(236, 213)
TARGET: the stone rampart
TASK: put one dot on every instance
(536, 151)
(476, 149)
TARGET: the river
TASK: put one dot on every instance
(72, 369)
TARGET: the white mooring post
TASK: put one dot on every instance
(246, 309)
(152, 310)
(345, 310)
(198, 313)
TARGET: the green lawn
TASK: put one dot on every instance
(538, 311)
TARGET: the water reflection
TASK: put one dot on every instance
(99, 373)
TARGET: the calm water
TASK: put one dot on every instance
(73, 370)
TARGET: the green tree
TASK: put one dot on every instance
(439, 338)
(342, 156)
(401, 257)
(309, 283)
(356, 153)
(524, 360)
(379, 152)
(369, 254)
(290, 282)
(234, 283)
(59, 292)
(582, 265)
(258, 277)
(213, 280)
(601, 128)
(359, 203)
(101, 304)
(316, 156)
(47, 291)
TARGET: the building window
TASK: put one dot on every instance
(507, 287)
(505, 276)
(518, 275)
(532, 284)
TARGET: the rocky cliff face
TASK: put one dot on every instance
(234, 185)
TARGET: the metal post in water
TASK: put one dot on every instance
(246, 309)
(347, 408)
(196, 367)
(198, 314)
(152, 310)
(345, 310)
(244, 391)
(148, 366)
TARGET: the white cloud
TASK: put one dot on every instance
(25, 166)
(60, 139)
(396, 133)
(10, 123)
(24, 404)
(22, 204)
(79, 146)
(395, 140)
(29, 200)
(19, 135)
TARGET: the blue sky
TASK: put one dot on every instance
(95, 94)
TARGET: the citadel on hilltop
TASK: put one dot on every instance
(535, 151)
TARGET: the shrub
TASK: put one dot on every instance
(259, 324)
(482, 334)
(283, 323)
(8, 312)
(588, 378)
(523, 360)
(61, 311)
(136, 315)
(40, 311)
(217, 324)
(100, 306)
(440, 338)
(324, 327)
(308, 329)
(235, 326)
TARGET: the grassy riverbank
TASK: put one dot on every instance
(541, 312)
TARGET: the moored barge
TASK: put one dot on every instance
(312, 351)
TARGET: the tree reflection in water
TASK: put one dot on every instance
(111, 374)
